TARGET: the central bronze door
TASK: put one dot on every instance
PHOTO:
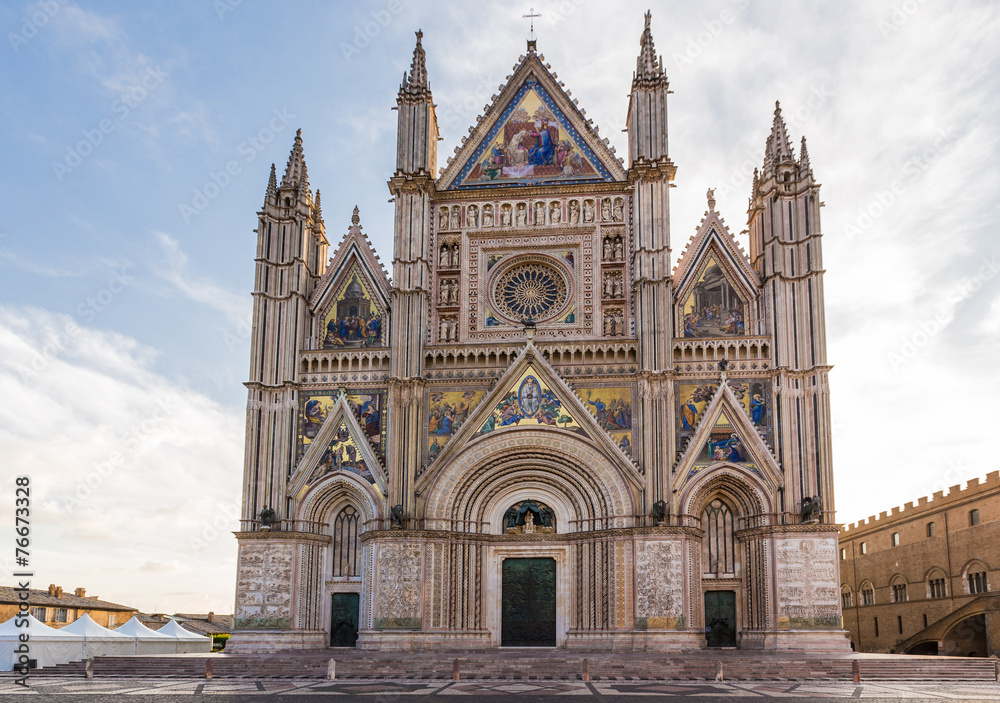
(344, 620)
(529, 603)
(720, 618)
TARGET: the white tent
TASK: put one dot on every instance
(187, 641)
(100, 641)
(47, 645)
(147, 641)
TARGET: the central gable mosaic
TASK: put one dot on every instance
(532, 142)
(529, 402)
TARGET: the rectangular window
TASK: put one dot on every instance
(39, 613)
(876, 627)
(843, 553)
(931, 529)
(925, 621)
(899, 621)
(895, 539)
(864, 547)
(59, 615)
(112, 619)
(973, 518)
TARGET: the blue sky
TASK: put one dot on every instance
(126, 257)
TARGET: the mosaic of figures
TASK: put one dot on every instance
(529, 402)
(612, 405)
(446, 410)
(354, 319)
(724, 444)
(368, 407)
(714, 308)
(693, 399)
(342, 454)
(532, 142)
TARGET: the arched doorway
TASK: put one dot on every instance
(967, 638)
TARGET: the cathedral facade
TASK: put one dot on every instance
(537, 433)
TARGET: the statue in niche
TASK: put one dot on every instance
(522, 215)
(659, 512)
(619, 211)
(396, 517)
(453, 292)
(812, 509)
(444, 295)
(555, 213)
(588, 210)
(456, 217)
(616, 287)
(546, 515)
(472, 214)
(529, 523)
(505, 216)
(488, 216)
(608, 286)
(619, 255)
(444, 261)
(511, 519)
(267, 518)
(539, 213)
(609, 251)
(574, 212)
(456, 257)
(443, 219)
(606, 210)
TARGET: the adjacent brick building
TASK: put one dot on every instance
(921, 578)
(58, 609)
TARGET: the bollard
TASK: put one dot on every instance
(586, 670)
(90, 669)
(454, 671)
(856, 670)
(718, 671)
(208, 668)
(331, 669)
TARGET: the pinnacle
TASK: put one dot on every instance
(647, 67)
(356, 217)
(317, 208)
(296, 173)
(804, 153)
(779, 148)
(272, 184)
(416, 81)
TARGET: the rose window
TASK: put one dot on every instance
(530, 291)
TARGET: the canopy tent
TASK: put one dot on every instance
(100, 641)
(46, 645)
(147, 641)
(187, 641)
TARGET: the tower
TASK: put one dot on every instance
(650, 173)
(786, 252)
(412, 187)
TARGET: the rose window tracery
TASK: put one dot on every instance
(531, 290)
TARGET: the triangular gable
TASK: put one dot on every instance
(531, 133)
(340, 446)
(715, 284)
(531, 394)
(355, 259)
(725, 435)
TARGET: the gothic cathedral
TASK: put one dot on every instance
(535, 433)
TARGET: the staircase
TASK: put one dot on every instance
(540, 665)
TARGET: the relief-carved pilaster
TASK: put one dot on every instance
(807, 590)
(659, 577)
(264, 586)
(399, 585)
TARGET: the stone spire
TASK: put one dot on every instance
(647, 67)
(317, 209)
(778, 147)
(804, 155)
(416, 82)
(272, 186)
(296, 172)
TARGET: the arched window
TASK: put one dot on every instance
(867, 593)
(973, 518)
(718, 546)
(346, 543)
(846, 597)
(977, 582)
(898, 590)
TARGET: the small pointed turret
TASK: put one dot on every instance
(272, 186)
(778, 146)
(803, 155)
(647, 67)
(317, 209)
(296, 173)
(416, 82)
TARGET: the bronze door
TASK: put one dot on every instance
(344, 620)
(720, 618)
(529, 603)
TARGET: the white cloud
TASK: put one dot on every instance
(126, 466)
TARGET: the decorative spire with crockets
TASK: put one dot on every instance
(647, 66)
(296, 173)
(416, 82)
(777, 144)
